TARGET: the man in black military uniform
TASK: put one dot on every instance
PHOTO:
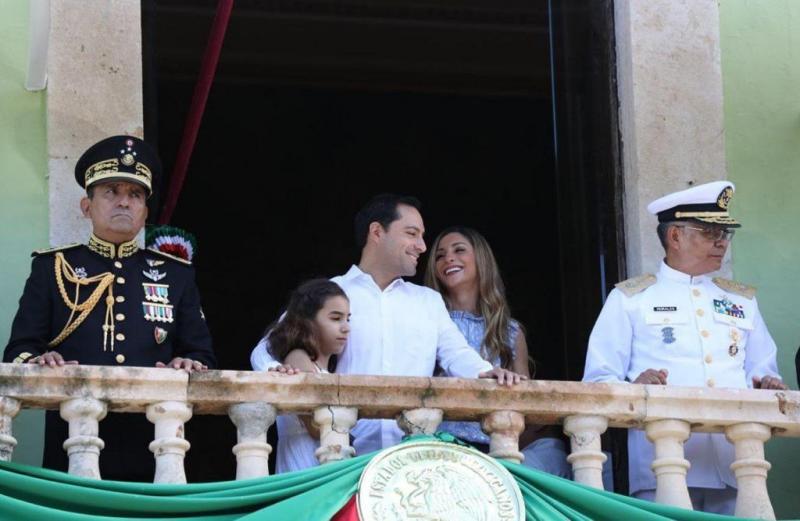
(108, 302)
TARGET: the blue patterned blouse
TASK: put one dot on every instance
(473, 327)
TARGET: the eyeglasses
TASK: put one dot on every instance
(713, 234)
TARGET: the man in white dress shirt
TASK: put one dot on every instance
(397, 328)
(683, 327)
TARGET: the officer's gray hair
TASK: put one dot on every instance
(661, 230)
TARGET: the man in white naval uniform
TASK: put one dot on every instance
(683, 327)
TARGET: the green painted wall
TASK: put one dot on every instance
(760, 42)
(23, 190)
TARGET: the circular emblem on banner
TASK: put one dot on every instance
(437, 481)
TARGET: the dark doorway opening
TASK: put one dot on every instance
(497, 114)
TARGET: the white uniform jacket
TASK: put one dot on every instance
(702, 334)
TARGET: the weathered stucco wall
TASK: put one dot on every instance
(761, 75)
(671, 118)
(94, 90)
(23, 196)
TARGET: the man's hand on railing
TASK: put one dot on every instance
(187, 364)
(652, 377)
(769, 382)
(503, 376)
(51, 358)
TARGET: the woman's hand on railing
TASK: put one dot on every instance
(503, 376)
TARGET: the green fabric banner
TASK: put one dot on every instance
(32, 493)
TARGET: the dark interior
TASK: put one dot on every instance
(497, 114)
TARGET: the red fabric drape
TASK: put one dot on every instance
(193, 119)
(349, 512)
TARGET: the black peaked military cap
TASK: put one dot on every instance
(119, 158)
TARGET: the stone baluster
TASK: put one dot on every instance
(169, 445)
(420, 421)
(504, 428)
(252, 451)
(83, 445)
(9, 407)
(586, 457)
(334, 424)
(750, 468)
(669, 465)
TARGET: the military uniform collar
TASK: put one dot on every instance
(678, 276)
(111, 250)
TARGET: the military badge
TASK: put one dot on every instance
(160, 335)
(157, 312)
(80, 272)
(728, 308)
(736, 336)
(668, 334)
(154, 275)
(156, 292)
(154, 262)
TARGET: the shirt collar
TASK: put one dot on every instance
(678, 276)
(111, 250)
(355, 273)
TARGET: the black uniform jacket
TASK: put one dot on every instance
(157, 317)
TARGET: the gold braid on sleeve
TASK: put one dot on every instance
(104, 283)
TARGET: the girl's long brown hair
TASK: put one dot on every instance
(296, 330)
(492, 303)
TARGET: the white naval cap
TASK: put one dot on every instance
(706, 203)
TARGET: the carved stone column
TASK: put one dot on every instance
(252, 450)
(9, 407)
(83, 445)
(334, 432)
(669, 465)
(169, 445)
(587, 457)
(504, 428)
(420, 421)
(751, 469)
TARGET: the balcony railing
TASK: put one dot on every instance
(169, 398)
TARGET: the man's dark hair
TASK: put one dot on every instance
(90, 192)
(381, 209)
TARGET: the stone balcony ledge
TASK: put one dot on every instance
(169, 398)
(132, 389)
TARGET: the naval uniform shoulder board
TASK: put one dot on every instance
(56, 249)
(636, 285)
(168, 256)
(737, 288)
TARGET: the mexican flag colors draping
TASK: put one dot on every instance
(326, 492)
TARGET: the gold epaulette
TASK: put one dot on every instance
(56, 249)
(636, 285)
(737, 288)
(167, 255)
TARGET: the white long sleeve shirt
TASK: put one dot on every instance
(703, 335)
(402, 330)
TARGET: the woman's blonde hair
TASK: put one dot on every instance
(492, 301)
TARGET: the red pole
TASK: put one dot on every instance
(198, 106)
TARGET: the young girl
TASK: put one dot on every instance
(310, 335)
